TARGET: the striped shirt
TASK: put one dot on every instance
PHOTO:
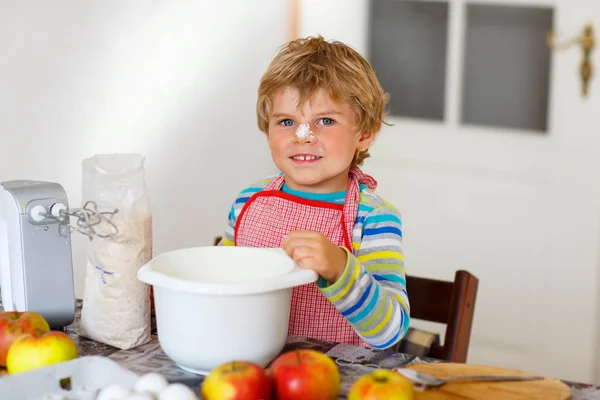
(371, 293)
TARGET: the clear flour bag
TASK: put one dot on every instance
(116, 306)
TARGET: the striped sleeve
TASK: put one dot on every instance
(236, 209)
(371, 293)
(228, 236)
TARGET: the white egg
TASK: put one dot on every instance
(141, 396)
(177, 391)
(113, 392)
(152, 382)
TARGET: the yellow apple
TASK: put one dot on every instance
(382, 384)
(39, 349)
(237, 380)
(13, 324)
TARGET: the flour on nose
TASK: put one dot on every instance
(303, 131)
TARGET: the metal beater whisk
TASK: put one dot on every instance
(86, 218)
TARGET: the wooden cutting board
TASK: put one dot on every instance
(547, 389)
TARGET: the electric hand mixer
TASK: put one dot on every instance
(35, 248)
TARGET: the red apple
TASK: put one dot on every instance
(237, 380)
(382, 384)
(13, 324)
(305, 374)
(39, 349)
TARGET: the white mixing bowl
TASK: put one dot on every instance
(218, 304)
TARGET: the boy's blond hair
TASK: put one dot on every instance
(312, 63)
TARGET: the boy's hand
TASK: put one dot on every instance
(314, 251)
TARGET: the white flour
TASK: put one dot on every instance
(303, 131)
(116, 305)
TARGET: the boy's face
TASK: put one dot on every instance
(319, 165)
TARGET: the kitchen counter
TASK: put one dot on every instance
(150, 357)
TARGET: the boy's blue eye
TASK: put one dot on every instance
(286, 122)
(325, 121)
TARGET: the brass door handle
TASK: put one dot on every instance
(587, 42)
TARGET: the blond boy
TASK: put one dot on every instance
(321, 106)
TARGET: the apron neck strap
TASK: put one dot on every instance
(276, 184)
(362, 178)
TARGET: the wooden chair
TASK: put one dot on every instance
(450, 303)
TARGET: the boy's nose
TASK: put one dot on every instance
(309, 139)
(304, 135)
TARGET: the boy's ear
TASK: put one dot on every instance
(366, 140)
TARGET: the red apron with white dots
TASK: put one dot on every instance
(270, 215)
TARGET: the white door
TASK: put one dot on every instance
(493, 160)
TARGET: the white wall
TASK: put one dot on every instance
(175, 81)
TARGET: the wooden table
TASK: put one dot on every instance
(149, 357)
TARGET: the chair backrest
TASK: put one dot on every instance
(450, 303)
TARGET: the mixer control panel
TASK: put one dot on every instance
(56, 208)
(37, 213)
(45, 211)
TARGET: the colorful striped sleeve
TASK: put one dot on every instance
(228, 236)
(371, 293)
(236, 208)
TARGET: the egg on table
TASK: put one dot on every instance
(113, 392)
(152, 383)
(177, 391)
(141, 396)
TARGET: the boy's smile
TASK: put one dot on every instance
(305, 159)
(318, 162)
